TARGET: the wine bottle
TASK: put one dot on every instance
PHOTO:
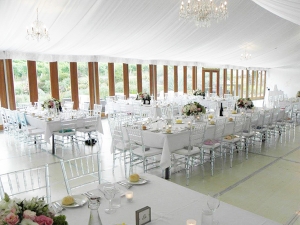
(235, 107)
(221, 110)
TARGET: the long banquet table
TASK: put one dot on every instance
(49, 126)
(171, 204)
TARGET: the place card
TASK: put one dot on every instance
(143, 216)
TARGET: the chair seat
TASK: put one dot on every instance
(249, 134)
(35, 132)
(212, 146)
(186, 152)
(86, 129)
(123, 146)
(152, 151)
(65, 132)
(234, 140)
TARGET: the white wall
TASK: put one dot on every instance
(286, 79)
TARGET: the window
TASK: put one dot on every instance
(171, 78)
(160, 81)
(180, 80)
(119, 87)
(43, 80)
(83, 83)
(132, 74)
(146, 78)
(64, 80)
(103, 80)
(21, 81)
(189, 79)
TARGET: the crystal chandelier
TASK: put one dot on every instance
(245, 56)
(202, 12)
(38, 30)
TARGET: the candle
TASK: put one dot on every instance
(129, 196)
(170, 126)
(198, 118)
(191, 222)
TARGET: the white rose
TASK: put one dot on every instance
(28, 222)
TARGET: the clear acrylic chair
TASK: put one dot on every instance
(97, 110)
(120, 146)
(88, 133)
(192, 152)
(29, 182)
(235, 141)
(140, 153)
(210, 146)
(81, 172)
(66, 135)
(249, 131)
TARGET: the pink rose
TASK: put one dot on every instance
(11, 219)
(43, 220)
(28, 214)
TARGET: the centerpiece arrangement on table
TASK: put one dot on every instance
(199, 92)
(144, 96)
(244, 103)
(28, 212)
(193, 109)
(53, 104)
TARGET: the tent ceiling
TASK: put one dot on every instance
(149, 31)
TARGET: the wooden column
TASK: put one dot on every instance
(155, 80)
(3, 96)
(247, 84)
(111, 79)
(92, 83)
(231, 81)
(97, 91)
(54, 85)
(203, 79)
(194, 77)
(32, 81)
(237, 83)
(74, 84)
(126, 80)
(218, 83)
(224, 81)
(151, 79)
(175, 78)
(139, 78)
(166, 79)
(184, 79)
(242, 85)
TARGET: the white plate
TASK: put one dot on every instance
(141, 181)
(80, 200)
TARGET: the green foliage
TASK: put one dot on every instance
(60, 220)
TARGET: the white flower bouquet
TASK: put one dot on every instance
(28, 212)
(143, 96)
(245, 103)
(193, 109)
(52, 103)
(199, 92)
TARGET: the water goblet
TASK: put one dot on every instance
(109, 192)
(213, 202)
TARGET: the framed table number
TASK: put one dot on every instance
(143, 215)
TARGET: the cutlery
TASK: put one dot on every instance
(125, 184)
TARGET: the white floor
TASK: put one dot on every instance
(267, 183)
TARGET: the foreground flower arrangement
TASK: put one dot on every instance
(245, 103)
(193, 109)
(199, 92)
(52, 103)
(28, 212)
(143, 96)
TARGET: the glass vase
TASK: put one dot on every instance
(94, 203)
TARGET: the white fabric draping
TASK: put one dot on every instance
(287, 9)
(148, 32)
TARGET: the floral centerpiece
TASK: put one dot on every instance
(199, 92)
(143, 96)
(28, 212)
(193, 109)
(52, 103)
(245, 103)
(298, 94)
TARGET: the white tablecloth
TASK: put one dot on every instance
(171, 204)
(50, 126)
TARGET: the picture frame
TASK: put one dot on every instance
(143, 216)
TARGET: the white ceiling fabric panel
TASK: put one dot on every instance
(287, 9)
(147, 31)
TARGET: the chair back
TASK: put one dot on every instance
(97, 110)
(219, 128)
(239, 122)
(135, 135)
(196, 137)
(81, 172)
(33, 182)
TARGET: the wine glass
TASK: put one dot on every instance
(109, 192)
(213, 202)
